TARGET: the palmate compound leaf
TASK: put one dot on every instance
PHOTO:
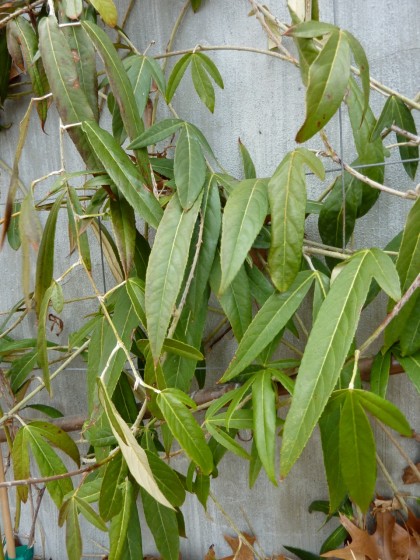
(287, 197)
(243, 217)
(329, 343)
(133, 454)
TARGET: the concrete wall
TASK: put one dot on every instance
(263, 104)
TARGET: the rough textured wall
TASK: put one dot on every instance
(263, 104)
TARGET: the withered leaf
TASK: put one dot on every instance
(239, 549)
(211, 555)
(410, 476)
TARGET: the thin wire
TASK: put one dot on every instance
(343, 183)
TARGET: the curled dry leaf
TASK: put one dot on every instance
(211, 555)
(410, 476)
(239, 548)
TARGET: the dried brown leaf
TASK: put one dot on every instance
(410, 476)
(239, 549)
(210, 554)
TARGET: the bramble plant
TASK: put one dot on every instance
(184, 231)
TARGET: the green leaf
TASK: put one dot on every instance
(222, 437)
(329, 426)
(118, 533)
(166, 479)
(21, 368)
(22, 31)
(13, 233)
(122, 90)
(265, 415)
(363, 64)
(107, 11)
(282, 377)
(74, 544)
(243, 217)
(384, 410)
(195, 4)
(357, 452)
(21, 464)
(50, 411)
(42, 355)
(139, 72)
(287, 197)
(411, 365)
(124, 226)
(169, 255)
(328, 345)
(111, 494)
(211, 68)
(302, 554)
(202, 83)
(270, 319)
(134, 455)
(45, 260)
(73, 8)
(385, 119)
(248, 164)
(90, 514)
(379, 373)
(70, 100)
(189, 167)
(163, 525)
(182, 349)
(49, 464)
(311, 29)
(185, 429)
(176, 75)
(404, 119)
(201, 488)
(255, 465)
(74, 212)
(328, 78)
(85, 60)
(135, 290)
(236, 300)
(57, 437)
(6, 61)
(123, 173)
(156, 133)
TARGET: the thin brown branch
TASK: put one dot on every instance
(24, 10)
(412, 137)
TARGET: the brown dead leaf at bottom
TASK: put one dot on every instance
(409, 476)
(390, 541)
(210, 554)
(239, 549)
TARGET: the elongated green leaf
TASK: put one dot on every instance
(85, 61)
(163, 281)
(23, 32)
(287, 197)
(328, 78)
(21, 465)
(411, 365)
(166, 479)
(135, 291)
(123, 173)
(57, 437)
(185, 429)
(329, 426)
(270, 319)
(311, 29)
(90, 514)
(384, 410)
(357, 452)
(211, 68)
(163, 525)
(379, 373)
(156, 133)
(241, 419)
(385, 119)
(111, 494)
(70, 100)
(176, 75)
(282, 377)
(202, 83)
(265, 414)
(42, 355)
(73, 8)
(74, 544)
(236, 300)
(133, 543)
(6, 61)
(124, 225)
(107, 11)
(182, 349)
(255, 465)
(13, 232)
(49, 464)
(119, 524)
(133, 454)
(243, 217)
(410, 335)
(189, 167)
(248, 164)
(404, 119)
(21, 368)
(140, 75)
(363, 64)
(75, 211)
(210, 216)
(222, 437)
(45, 261)
(327, 348)
(122, 90)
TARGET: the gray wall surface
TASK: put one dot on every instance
(263, 104)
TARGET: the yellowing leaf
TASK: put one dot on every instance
(107, 11)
